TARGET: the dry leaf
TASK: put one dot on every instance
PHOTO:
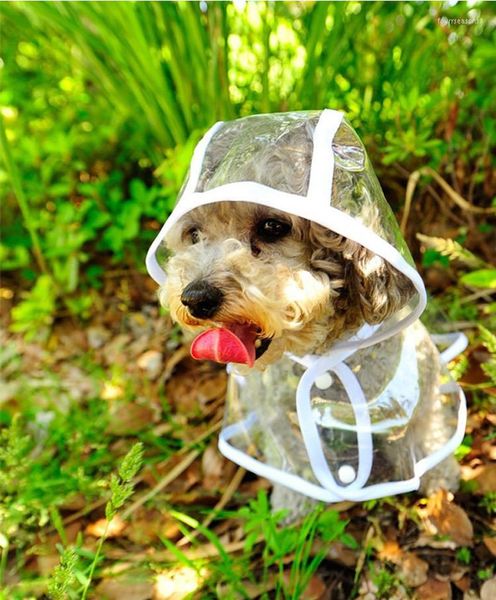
(442, 517)
(115, 527)
(177, 583)
(340, 553)
(391, 552)
(433, 589)
(490, 544)
(148, 525)
(463, 583)
(413, 570)
(215, 468)
(488, 589)
(486, 479)
(315, 590)
(128, 417)
(124, 589)
(151, 362)
(46, 563)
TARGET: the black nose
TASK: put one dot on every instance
(202, 299)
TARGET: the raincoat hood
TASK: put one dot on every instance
(329, 428)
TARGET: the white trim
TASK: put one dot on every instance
(152, 266)
(322, 168)
(297, 483)
(310, 433)
(313, 490)
(332, 218)
(457, 343)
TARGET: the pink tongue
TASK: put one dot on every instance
(226, 345)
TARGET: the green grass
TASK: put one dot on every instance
(101, 107)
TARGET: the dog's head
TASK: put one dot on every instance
(279, 281)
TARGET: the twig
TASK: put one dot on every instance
(453, 195)
(103, 501)
(226, 496)
(206, 551)
(169, 478)
(363, 553)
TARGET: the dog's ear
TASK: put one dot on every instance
(363, 285)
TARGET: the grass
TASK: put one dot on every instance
(96, 134)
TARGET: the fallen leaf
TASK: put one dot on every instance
(45, 564)
(315, 590)
(97, 336)
(391, 552)
(340, 553)
(114, 529)
(488, 589)
(463, 583)
(442, 517)
(413, 570)
(486, 480)
(128, 417)
(151, 362)
(177, 583)
(215, 468)
(490, 544)
(148, 524)
(433, 589)
(124, 589)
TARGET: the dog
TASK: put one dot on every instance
(290, 287)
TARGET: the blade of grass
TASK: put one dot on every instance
(15, 181)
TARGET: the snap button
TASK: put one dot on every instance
(346, 473)
(324, 381)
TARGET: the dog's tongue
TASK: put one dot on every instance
(236, 345)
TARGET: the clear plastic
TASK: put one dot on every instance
(362, 434)
(402, 391)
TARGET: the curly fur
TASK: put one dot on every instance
(304, 291)
(308, 289)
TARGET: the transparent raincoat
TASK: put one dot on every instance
(348, 424)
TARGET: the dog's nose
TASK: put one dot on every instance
(202, 299)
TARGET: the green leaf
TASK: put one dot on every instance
(483, 278)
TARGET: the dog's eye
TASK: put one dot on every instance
(271, 230)
(194, 235)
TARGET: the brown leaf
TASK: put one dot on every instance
(490, 544)
(486, 479)
(391, 552)
(216, 469)
(151, 362)
(463, 583)
(191, 394)
(124, 589)
(340, 553)
(444, 518)
(315, 590)
(488, 589)
(128, 417)
(433, 589)
(115, 527)
(413, 570)
(148, 525)
(46, 563)
(177, 583)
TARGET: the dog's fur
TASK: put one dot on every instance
(304, 290)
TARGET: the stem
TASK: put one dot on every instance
(21, 198)
(3, 561)
(95, 560)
